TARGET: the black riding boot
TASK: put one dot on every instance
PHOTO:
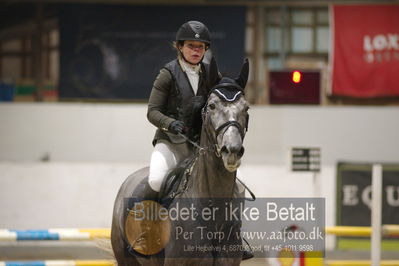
(141, 244)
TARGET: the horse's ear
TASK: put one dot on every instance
(213, 73)
(243, 77)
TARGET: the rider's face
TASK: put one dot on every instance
(193, 51)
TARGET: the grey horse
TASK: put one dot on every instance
(212, 175)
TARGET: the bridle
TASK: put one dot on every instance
(223, 127)
(229, 124)
(238, 94)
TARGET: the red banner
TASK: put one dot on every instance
(366, 51)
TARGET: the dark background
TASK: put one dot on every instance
(115, 52)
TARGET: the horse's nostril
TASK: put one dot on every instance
(224, 149)
(241, 152)
(235, 149)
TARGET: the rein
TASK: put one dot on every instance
(201, 150)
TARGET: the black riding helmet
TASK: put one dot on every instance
(194, 31)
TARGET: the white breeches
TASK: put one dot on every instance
(165, 157)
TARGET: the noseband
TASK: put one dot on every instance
(229, 124)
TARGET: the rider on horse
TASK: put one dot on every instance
(177, 97)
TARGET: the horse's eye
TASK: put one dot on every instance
(212, 106)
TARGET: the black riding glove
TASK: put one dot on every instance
(176, 127)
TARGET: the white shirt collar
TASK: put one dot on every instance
(189, 68)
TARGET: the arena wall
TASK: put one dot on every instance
(61, 164)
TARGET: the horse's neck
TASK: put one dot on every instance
(211, 179)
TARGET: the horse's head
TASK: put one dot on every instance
(226, 118)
